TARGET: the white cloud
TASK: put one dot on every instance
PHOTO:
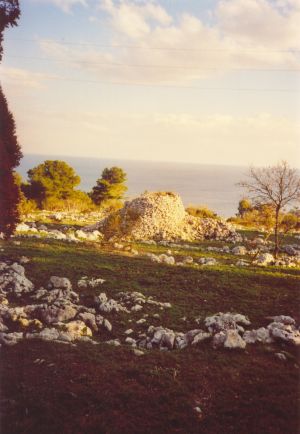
(246, 34)
(22, 78)
(215, 138)
(65, 5)
(261, 23)
(132, 18)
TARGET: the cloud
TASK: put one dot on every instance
(151, 46)
(261, 23)
(132, 19)
(216, 138)
(65, 5)
(22, 78)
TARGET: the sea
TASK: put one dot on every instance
(197, 184)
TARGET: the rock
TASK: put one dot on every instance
(242, 263)
(89, 319)
(234, 340)
(77, 329)
(264, 259)
(19, 269)
(136, 308)
(225, 321)
(48, 334)
(290, 250)
(84, 282)
(219, 339)
(200, 337)
(13, 279)
(287, 320)
(128, 332)
(107, 325)
(260, 335)
(88, 236)
(114, 342)
(10, 339)
(53, 314)
(239, 250)
(188, 260)
(22, 227)
(167, 340)
(207, 261)
(130, 341)
(137, 352)
(284, 332)
(59, 282)
(281, 356)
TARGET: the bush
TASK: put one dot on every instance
(202, 212)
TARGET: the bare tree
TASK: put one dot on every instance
(276, 186)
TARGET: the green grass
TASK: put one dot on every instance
(103, 389)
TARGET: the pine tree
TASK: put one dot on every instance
(109, 186)
(10, 152)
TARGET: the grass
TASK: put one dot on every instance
(103, 389)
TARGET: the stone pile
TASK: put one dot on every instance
(161, 216)
(225, 330)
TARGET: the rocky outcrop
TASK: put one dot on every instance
(59, 314)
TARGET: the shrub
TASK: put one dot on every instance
(202, 212)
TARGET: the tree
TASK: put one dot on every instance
(9, 15)
(244, 207)
(10, 152)
(50, 182)
(276, 186)
(109, 186)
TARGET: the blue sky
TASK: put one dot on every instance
(210, 81)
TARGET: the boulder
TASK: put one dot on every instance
(239, 250)
(13, 279)
(59, 282)
(53, 314)
(265, 259)
(77, 329)
(234, 340)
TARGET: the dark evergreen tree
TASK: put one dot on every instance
(109, 186)
(10, 152)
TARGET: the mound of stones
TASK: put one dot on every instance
(161, 216)
(225, 330)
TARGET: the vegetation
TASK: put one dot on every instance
(244, 207)
(9, 15)
(51, 184)
(110, 186)
(10, 152)
(275, 187)
(201, 211)
(105, 389)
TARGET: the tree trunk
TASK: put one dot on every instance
(276, 250)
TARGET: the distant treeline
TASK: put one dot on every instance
(52, 185)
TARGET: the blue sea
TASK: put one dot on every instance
(197, 184)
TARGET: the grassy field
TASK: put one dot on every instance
(103, 389)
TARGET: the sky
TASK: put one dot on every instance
(202, 81)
